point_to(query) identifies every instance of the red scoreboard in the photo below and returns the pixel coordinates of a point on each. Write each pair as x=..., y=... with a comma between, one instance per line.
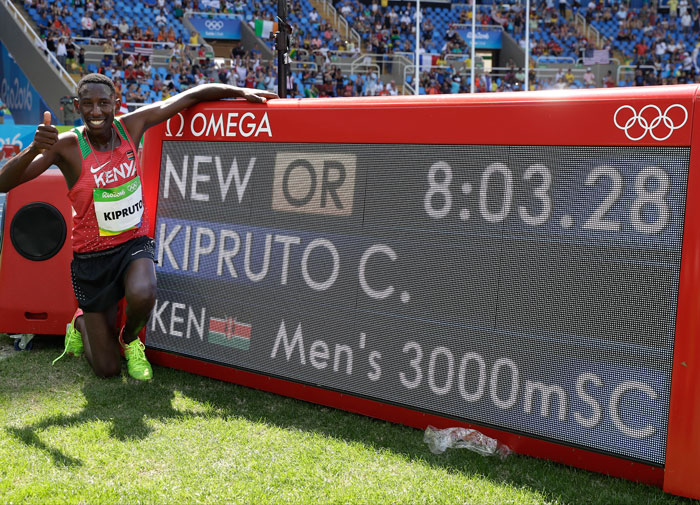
x=527, y=264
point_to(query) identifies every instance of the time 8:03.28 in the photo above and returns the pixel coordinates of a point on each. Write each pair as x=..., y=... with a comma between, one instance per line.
x=651, y=186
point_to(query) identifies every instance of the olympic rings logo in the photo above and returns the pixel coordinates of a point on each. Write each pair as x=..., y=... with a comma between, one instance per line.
x=131, y=187
x=214, y=24
x=650, y=126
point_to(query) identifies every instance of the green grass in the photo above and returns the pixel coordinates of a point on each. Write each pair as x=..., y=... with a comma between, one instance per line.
x=69, y=437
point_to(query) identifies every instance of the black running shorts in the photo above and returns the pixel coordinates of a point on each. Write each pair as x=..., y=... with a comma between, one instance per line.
x=98, y=277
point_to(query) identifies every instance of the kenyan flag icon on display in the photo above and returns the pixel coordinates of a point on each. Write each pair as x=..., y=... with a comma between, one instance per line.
x=230, y=333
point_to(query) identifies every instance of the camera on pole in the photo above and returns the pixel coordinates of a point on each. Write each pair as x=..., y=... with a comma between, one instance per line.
x=282, y=46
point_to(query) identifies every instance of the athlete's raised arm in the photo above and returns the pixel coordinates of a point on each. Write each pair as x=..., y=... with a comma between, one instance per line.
x=138, y=121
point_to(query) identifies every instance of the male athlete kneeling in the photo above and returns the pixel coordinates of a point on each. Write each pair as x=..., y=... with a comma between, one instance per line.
x=112, y=255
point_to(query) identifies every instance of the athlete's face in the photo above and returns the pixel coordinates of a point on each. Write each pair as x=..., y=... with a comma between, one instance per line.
x=96, y=104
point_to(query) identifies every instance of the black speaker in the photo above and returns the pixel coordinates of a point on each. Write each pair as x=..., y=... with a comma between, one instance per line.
x=38, y=231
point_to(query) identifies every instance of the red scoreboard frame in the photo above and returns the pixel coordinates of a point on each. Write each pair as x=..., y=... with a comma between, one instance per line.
x=650, y=116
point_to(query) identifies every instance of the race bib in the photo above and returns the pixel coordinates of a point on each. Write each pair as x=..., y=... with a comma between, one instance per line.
x=119, y=209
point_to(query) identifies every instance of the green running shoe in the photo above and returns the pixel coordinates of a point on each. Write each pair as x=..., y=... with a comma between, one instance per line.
x=136, y=362
x=73, y=342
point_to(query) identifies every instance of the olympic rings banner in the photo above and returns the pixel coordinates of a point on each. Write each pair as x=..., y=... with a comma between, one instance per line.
x=217, y=27
x=528, y=272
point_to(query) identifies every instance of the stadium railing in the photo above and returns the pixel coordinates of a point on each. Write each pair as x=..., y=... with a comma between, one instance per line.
x=94, y=51
x=590, y=31
x=330, y=11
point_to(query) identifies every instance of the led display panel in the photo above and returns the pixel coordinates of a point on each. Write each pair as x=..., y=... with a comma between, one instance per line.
x=528, y=288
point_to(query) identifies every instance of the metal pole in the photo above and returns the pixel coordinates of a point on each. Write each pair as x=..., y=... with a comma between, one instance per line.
x=527, y=45
x=473, y=57
x=282, y=46
x=416, y=82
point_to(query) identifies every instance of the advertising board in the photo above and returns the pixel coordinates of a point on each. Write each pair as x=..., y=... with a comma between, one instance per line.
x=17, y=93
x=486, y=37
x=217, y=27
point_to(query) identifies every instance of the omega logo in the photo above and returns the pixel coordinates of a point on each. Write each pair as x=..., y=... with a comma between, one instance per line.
x=168, y=132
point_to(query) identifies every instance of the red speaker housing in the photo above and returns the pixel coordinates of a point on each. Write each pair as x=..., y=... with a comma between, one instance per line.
x=36, y=295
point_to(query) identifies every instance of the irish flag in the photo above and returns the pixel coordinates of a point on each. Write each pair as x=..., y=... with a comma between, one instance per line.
x=230, y=333
x=264, y=28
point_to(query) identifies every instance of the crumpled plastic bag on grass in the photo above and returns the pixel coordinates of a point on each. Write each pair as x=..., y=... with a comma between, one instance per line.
x=463, y=438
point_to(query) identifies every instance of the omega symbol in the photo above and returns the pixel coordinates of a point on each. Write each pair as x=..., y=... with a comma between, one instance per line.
x=168, y=133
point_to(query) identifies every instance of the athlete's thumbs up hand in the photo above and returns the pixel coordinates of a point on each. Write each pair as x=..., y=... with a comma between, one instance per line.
x=46, y=135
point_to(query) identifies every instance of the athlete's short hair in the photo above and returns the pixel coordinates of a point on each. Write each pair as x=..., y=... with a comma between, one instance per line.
x=97, y=79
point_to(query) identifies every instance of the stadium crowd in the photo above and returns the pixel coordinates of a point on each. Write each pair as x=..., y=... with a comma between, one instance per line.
x=659, y=44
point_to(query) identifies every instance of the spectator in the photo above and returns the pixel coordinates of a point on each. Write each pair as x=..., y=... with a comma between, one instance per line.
x=129, y=75
x=427, y=28
x=237, y=50
x=61, y=52
x=123, y=28
x=129, y=60
x=51, y=44
x=291, y=84
x=161, y=20
x=240, y=71
x=562, y=8
x=70, y=56
x=170, y=35
x=88, y=25
x=608, y=81
x=372, y=86
x=134, y=95
x=42, y=45
x=108, y=46
x=271, y=81
x=105, y=63
x=569, y=77
x=174, y=66
x=139, y=74
x=686, y=21
x=673, y=9
x=434, y=88
x=101, y=21
x=157, y=84
x=589, y=78
x=81, y=61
